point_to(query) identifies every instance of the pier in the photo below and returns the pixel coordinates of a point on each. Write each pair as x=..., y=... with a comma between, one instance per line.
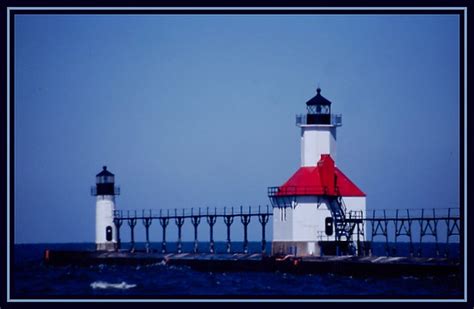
x=390, y=226
x=417, y=225
x=344, y=240
x=346, y=265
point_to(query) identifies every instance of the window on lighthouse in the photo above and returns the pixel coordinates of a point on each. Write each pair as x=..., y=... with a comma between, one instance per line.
x=282, y=214
x=318, y=109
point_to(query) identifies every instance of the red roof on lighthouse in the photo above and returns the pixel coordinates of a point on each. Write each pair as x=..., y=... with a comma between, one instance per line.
x=323, y=179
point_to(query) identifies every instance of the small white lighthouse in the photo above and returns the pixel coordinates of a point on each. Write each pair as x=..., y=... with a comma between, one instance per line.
x=318, y=209
x=105, y=229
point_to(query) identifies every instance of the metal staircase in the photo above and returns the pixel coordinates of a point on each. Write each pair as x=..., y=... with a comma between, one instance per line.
x=345, y=223
x=338, y=212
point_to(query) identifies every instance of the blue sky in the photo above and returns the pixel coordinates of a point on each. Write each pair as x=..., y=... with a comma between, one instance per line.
x=192, y=111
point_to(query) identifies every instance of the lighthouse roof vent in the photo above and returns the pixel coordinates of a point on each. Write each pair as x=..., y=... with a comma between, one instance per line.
x=104, y=172
x=318, y=99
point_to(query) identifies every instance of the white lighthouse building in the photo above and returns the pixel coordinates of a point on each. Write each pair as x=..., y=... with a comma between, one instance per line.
x=105, y=229
x=318, y=210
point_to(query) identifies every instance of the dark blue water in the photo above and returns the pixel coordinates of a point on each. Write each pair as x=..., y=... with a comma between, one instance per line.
x=32, y=279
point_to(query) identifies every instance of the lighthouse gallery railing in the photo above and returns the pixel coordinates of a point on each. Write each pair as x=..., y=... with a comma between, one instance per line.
x=336, y=119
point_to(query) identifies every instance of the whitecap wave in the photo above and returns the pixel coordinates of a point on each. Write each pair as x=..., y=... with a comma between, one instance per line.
x=106, y=285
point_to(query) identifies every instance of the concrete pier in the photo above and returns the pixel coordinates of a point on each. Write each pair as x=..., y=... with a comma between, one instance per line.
x=347, y=265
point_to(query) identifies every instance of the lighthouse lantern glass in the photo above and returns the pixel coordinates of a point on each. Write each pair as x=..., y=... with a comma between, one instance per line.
x=105, y=179
x=319, y=109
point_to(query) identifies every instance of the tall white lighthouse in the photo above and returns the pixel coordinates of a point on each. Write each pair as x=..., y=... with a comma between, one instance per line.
x=105, y=229
x=318, y=209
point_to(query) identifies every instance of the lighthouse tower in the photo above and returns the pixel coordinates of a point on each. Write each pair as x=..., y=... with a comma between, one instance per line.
x=318, y=210
x=105, y=192
x=318, y=130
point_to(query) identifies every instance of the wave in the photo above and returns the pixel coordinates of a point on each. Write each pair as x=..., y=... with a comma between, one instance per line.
x=105, y=285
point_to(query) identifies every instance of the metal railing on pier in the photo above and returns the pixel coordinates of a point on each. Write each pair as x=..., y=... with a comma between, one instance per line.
x=401, y=223
x=417, y=225
x=195, y=215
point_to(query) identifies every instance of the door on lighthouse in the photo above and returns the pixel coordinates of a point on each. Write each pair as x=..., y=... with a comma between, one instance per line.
x=329, y=226
x=108, y=233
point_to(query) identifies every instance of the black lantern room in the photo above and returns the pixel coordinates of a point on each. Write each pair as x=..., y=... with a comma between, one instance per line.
x=319, y=109
x=105, y=184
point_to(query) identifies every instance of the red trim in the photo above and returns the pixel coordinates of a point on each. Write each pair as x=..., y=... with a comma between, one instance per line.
x=323, y=179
